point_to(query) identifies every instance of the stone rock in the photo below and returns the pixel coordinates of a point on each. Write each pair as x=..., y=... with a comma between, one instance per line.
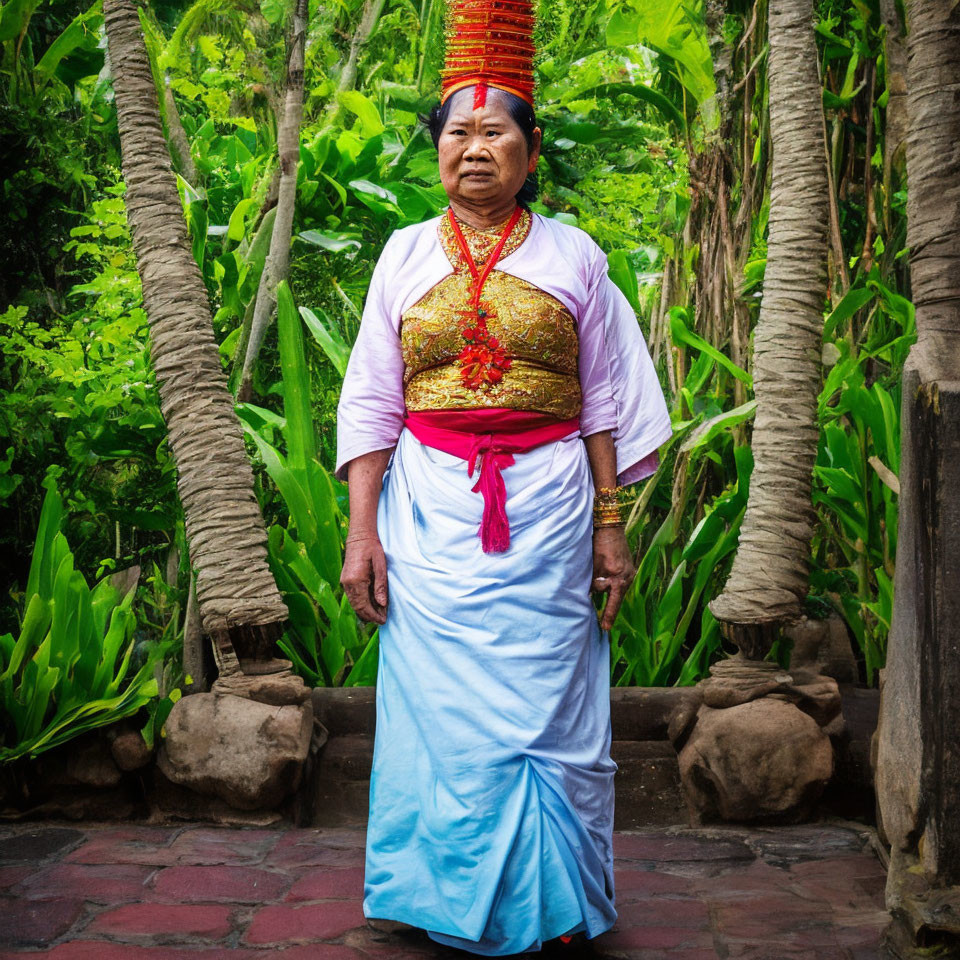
x=85, y=761
x=737, y=680
x=814, y=694
x=130, y=751
x=683, y=719
x=250, y=754
x=765, y=760
x=276, y=689
x=172, y=803
x=824, y=645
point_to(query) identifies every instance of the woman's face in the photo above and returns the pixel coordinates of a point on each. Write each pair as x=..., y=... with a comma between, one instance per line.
x=484, y=158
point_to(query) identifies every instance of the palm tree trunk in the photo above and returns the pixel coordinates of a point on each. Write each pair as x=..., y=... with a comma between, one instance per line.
x=918, y=764
x=239, y=602
x=769, y=577
x=277, y=264
x=368, y=20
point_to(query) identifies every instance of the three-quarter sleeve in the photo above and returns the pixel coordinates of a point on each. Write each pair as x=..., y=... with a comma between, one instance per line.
x=621, y=391
x=371, y=407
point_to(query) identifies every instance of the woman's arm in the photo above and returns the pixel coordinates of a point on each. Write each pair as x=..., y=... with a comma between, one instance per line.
x=364, y=574
x=613, y=568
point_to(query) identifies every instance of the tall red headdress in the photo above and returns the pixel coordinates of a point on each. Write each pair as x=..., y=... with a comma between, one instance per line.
x=489, y=44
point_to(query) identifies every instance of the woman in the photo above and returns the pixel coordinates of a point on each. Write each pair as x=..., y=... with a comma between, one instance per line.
x=494, y=335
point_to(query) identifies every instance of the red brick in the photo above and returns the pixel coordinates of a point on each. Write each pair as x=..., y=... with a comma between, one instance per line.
x=833, y=868
x=320, y=951
x=36, y=921
x=233, y=884
x=774, y=951
x=156, y=919
x=320, y=921
x=311, y=849
x=766, y=918
x=212, y=845
x=752, y=879
x=662, y=912
x=97, y=883
x=637, y=883
x=652, y=937
x=129, y=844
x=11, y=876
x=328, y=836
x=662, y=847
x=107, y=950
x=345, y=883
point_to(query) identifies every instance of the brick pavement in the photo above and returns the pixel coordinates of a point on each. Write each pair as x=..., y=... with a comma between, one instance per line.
x=195, y=892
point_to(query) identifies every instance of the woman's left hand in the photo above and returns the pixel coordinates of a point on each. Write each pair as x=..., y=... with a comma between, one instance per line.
x=613, y=570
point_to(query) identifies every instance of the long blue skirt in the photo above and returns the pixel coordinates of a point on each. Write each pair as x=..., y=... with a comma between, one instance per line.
x=491, y=796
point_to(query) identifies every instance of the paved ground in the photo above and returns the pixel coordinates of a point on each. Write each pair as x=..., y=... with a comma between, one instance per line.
x=135, y=892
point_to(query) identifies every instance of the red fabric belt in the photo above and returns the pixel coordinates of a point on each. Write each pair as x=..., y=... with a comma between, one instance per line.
x=494, y=435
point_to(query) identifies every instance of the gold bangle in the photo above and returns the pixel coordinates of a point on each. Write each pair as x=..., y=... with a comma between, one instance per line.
x=607, y=510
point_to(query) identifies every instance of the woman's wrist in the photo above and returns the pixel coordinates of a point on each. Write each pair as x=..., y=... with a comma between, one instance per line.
x=607, y=508
x=610, y=532
x=354, y=536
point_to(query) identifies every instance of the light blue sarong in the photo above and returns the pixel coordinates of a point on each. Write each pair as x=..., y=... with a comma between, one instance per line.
x=491, y=796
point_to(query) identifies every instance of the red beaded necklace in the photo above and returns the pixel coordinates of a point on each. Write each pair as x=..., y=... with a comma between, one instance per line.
x=482, y=361
x=481, y=278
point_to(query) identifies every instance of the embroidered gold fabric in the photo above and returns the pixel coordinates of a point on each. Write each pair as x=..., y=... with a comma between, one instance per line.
x=482, y=242
x=535, y=330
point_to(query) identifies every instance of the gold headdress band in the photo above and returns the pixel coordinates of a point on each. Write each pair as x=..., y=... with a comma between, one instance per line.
x=489, y=44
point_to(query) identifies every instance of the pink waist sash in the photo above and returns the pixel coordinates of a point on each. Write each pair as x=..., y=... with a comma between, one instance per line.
x=494, y=435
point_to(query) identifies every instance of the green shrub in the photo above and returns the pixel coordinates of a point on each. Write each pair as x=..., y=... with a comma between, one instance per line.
x=71, y=669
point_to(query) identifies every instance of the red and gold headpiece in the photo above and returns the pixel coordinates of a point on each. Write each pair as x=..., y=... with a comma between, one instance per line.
x=489, y=44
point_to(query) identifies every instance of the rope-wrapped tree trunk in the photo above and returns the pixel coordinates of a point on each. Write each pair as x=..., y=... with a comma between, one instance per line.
x=769, y=577
x=238, y=598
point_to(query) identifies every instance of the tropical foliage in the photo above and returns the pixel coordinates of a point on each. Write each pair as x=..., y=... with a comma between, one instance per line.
x=656, y=142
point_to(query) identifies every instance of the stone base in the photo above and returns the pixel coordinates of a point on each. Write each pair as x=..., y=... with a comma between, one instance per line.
x=757, y=749
x=764, y=761
x=926, y=918
x=249, y=754
x=277, y=689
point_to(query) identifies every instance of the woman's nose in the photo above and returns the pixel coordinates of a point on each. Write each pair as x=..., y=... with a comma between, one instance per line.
x=476, y=148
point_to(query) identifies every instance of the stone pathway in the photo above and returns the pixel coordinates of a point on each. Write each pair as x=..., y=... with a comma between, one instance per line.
x=137, y=892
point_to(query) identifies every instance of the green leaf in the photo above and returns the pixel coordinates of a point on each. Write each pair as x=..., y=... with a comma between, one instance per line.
x=236, y=226
x=334, y=242
x=365, y=110
x=704, y=434
x=621, y=272
x=272, y=10
x=846, y=308
x=638, y=91
x=680, y=334
x=15, y=17
x=336, y=350
x=301, y=442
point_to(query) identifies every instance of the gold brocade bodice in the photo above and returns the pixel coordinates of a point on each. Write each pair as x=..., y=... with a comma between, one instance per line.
x=523, y=356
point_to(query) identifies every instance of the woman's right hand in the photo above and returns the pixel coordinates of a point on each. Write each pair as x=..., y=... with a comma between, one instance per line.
x=364, y=577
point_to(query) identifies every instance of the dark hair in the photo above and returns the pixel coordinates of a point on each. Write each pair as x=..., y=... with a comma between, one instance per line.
x=522, y=115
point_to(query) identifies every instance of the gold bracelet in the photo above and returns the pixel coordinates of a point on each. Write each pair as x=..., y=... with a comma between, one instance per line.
x=607, y=511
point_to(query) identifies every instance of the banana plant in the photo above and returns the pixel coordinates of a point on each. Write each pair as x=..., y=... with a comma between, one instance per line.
x=71, y=669
x=325, y=641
